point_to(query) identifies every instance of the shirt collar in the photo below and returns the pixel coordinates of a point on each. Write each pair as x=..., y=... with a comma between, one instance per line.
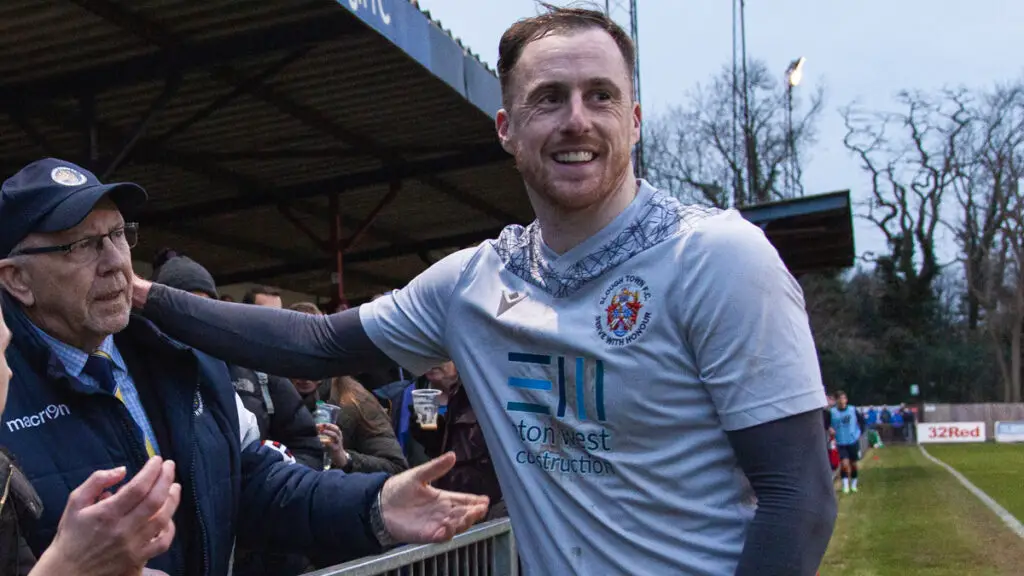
x=74, y=359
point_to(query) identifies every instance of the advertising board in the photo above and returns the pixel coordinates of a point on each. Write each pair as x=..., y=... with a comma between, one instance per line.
x=944, y=432
x=1010, y=431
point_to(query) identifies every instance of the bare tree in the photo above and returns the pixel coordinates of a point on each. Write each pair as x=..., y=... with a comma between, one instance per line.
x=691, y=151
x=913, y=159
x=991, y=230
x=983, y=192
x=1001, y=293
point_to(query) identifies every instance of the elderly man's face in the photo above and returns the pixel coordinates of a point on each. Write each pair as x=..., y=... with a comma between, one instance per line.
x=77, y=303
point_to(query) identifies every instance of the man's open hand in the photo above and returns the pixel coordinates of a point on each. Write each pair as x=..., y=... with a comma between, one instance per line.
x=102, y=534
x=415, y=512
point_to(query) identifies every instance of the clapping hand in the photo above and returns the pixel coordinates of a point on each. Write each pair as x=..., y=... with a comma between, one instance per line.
x=115, y=535
x=416, y=513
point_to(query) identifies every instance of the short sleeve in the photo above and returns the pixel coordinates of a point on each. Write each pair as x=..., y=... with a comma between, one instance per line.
x=248, y=427
x=409, y=324
x=747, y=325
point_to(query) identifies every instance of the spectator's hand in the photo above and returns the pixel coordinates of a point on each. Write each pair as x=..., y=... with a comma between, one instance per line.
x=335, y=444
x=115, y=535
x=415, y=512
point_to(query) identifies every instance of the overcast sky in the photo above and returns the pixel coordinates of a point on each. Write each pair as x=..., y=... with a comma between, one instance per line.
x=866, y=51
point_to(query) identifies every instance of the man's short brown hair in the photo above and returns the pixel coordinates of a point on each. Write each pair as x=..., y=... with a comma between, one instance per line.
x=555, y=21
x=252, y=293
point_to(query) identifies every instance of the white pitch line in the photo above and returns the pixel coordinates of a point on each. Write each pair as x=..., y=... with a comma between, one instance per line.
x=1011, y=522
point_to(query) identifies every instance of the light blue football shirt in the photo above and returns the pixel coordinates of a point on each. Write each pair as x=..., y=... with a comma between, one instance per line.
x=844, y=422
x=605, y=379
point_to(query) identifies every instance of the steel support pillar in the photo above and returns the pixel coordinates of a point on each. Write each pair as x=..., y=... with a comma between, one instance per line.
x=339, y=252
x=91, y=145
x=389, y=198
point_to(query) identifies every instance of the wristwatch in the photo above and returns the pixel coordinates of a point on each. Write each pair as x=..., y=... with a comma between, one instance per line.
x=380, y=529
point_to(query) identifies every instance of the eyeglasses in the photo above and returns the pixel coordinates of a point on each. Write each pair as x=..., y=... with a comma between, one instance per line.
x=88, y=249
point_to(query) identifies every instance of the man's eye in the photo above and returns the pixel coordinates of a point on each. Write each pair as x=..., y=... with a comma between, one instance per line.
x=79, y=246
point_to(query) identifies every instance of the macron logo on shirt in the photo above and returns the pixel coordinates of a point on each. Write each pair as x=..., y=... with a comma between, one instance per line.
x=51, y=412
x=508, y=300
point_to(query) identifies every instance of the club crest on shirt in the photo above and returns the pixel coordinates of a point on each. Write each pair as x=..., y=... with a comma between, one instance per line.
x=624, y=312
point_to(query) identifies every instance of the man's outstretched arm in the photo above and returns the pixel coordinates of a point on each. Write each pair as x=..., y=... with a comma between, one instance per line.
x=285, y=342
x=788, y=468
x=405, y=327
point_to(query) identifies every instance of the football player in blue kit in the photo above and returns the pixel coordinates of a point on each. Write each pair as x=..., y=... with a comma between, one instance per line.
x=848, y=425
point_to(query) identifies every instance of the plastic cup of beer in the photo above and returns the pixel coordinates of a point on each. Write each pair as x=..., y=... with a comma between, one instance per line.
x=426, y=403
x=325, y=414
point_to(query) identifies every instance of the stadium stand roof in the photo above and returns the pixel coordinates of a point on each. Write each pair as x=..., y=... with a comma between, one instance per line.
x=811, y=233
x=252, y=123
x=248, y=121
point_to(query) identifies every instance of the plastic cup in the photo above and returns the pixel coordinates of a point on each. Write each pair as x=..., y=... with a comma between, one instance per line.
x=426, y=404
x=326, y=413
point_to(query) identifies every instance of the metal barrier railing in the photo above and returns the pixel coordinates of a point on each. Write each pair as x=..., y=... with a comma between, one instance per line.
x=487, y=549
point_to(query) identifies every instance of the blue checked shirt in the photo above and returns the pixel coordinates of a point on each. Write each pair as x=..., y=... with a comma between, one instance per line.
x=74, y=362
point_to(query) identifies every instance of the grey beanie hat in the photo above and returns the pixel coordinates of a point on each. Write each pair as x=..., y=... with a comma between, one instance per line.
x=184, y=273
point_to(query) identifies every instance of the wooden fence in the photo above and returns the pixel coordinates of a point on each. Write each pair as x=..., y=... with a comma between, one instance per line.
x=989, y=413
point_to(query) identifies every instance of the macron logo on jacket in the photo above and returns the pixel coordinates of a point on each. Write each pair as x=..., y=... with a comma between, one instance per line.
x=51, y=412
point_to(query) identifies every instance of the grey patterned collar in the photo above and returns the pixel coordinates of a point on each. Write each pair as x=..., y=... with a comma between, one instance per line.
x=651, y=219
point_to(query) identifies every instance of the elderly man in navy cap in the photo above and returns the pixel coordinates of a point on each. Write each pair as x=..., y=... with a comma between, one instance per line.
x=97, y=388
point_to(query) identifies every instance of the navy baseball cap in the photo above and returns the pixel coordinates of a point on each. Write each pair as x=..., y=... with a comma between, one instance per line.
x=51, y=195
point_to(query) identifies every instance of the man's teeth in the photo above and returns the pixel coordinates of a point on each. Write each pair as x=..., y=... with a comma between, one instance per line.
x=570, y=157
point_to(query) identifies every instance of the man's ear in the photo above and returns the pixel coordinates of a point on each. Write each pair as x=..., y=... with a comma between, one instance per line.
x=501, y=123
x=637, y=121
x=14, y=279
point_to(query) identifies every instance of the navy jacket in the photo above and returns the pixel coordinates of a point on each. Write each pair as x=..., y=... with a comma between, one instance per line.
x=62, y=431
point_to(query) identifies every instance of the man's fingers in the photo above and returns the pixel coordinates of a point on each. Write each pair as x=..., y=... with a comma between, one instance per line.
x=157, y=495
x=161, y=543
x=132, y=493
x=162, y=524
x=464, y=499
x=434, y=469
x=459, y=519
x=471, y=515
x=462, y=518
x=93, y=488
x=170, y=505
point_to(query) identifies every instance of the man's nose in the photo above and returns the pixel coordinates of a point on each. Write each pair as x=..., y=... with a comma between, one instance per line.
x=111, y=257
x=578, y=119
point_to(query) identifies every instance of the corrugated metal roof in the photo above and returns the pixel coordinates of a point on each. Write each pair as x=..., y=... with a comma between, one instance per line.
x=345, y=110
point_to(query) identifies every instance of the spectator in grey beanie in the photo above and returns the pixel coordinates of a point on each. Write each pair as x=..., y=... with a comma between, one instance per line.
x=184, y=273
x=273, y=400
